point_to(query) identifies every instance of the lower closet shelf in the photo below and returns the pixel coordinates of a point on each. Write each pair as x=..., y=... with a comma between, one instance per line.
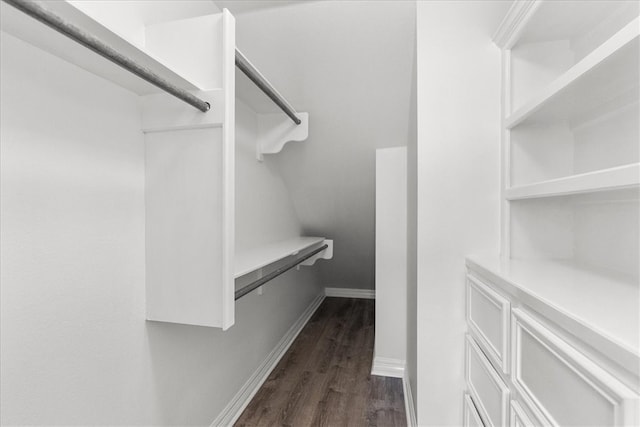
x=257, y=258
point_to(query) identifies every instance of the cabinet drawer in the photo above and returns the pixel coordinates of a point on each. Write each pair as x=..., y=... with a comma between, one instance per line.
x=489, y=393
x=560, y=384
x=470, y=418
x=488, y=318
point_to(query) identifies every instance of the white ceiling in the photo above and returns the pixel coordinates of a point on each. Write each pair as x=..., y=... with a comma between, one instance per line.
x=349, y=64
x=237, y=7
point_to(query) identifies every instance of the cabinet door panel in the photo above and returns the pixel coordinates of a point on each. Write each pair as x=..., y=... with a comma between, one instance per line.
x=562, y=384
x=488, y=318
x=471, y=418
x=487, y=389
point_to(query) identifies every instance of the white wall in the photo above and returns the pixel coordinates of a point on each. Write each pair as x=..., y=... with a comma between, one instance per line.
x=391, y=257
x=264, y=210
x=75, y=348
x=348, y=63
x=458, y=71
x=130, y=17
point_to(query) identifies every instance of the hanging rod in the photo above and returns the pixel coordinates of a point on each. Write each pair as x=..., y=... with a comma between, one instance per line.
x=259, y=282
x=56, y=22
x=258, y=79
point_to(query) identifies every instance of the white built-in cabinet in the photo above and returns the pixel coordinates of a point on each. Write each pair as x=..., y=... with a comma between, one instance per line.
x=554, y=320
x=192, y=263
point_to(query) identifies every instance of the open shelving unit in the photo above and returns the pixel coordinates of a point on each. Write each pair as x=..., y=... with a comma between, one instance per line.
x=571, y=167
x=557, y=311
x=190, y=156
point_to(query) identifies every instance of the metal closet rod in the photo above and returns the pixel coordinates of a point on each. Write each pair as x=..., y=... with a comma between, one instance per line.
x=254, y=75
x=257, y=283
x=54, y=21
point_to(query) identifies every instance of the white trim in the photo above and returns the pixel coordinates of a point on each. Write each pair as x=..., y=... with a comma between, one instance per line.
x=505, y=157
x=350, y=293
x=387, y=367
x=228, y=169
x=230, y=414
x=514, y=22
x=410, y=410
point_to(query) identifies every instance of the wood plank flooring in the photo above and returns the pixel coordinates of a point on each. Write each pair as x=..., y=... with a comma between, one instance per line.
x=324, y=378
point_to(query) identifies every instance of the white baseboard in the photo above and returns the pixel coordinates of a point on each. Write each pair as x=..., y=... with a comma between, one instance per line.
x=241, y=400
x=350, y=293
x=409, y=409
x=387, y=367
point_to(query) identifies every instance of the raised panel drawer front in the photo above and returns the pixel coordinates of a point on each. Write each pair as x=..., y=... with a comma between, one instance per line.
x=471, y=418
x=561, y=385
x=488, y=318
x=489, y=393
x=519, y=417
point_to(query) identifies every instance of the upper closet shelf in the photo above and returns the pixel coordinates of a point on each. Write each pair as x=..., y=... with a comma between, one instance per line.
x=31, y=31
x=278, y=122
x=606, y=179
x=607, y=73
x=261, y=82
x=555, y=289
x=255, y=259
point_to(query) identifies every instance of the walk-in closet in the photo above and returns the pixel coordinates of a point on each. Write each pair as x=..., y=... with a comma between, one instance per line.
x=320, y=213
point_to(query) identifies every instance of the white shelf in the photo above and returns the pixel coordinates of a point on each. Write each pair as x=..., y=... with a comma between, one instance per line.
x=600, y=307
x=38, y=34
x=549, y=21
x=607, y=179
x=605, y=74
x=252, y=260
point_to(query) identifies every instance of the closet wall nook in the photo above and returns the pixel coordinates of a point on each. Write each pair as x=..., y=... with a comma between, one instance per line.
x=203, y=250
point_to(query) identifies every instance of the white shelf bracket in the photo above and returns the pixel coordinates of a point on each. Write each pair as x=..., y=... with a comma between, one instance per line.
x=326, y=254
x=261, y=275
x=276, y=129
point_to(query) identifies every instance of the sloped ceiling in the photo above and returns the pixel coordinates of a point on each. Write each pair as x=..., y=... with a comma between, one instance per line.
x=349, y=64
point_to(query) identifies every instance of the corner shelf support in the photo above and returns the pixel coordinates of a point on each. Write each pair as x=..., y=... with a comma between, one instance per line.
x=326, y=254
x=276, y=129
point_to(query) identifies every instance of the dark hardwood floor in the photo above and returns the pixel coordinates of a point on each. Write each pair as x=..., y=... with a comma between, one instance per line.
x=324, y=378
